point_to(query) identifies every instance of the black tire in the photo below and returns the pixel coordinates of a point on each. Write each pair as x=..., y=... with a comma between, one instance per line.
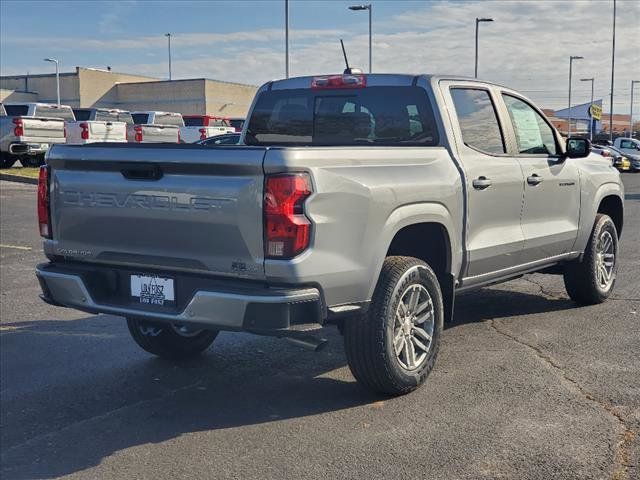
x=32, y=160
x=163, y=339
x=369, y=339
x=6, y=160
x=581, y=278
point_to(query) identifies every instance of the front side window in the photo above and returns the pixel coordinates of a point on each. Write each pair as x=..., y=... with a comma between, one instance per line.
x=478, y=120
x=533, y=134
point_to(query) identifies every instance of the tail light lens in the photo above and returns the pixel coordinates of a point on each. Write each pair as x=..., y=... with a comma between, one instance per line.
x=18, y=131
x=138, y=133
x=84, y=131
x=44, y=218
x=203, y=133
x=287, y=230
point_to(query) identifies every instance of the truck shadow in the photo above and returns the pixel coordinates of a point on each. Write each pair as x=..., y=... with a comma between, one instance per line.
x=75, y=392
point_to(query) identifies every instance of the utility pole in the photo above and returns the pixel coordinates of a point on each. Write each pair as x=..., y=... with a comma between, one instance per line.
x=168, y=35
x=286, y=38
x=613, y=63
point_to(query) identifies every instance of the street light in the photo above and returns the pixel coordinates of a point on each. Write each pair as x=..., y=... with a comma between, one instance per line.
x=53, y=60
x=571, y=59
x=168, y=35
x=286, y=38
x=613, y=71
x=590, y=105
x=478, y=20
x=633, y=82
x=356, y=8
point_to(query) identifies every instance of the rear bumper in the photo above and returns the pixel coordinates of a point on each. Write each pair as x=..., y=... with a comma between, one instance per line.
x=270, y=311
x=28, y=148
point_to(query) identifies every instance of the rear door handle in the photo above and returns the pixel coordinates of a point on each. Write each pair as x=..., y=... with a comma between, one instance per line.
x=481, y=183
x=534, y=179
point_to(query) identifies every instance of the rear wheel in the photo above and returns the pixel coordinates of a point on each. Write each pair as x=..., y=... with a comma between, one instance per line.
x=170, y=340
x=591, y=281
x=393, y=348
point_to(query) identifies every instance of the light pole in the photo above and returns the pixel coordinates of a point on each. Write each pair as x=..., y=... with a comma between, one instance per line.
x=633, y=82
x=355, y=8
x=590, y=105
x=571, y=59
x=613, y=69
x=168, y=35
x=286, y=38
x=53, y=60
x=478, y=20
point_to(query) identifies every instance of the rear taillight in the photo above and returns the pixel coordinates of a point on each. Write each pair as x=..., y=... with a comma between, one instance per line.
x=286, y=229
x=44, y=219
x=84, y=131
x=18, y=131
x=339, y=81
x=203, y=133
x=138, y=133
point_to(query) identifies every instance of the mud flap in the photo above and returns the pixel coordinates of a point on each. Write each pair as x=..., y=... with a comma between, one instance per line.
x=447, y=286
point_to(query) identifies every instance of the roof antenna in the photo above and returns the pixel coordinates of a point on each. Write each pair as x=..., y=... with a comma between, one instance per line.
x=348, y=70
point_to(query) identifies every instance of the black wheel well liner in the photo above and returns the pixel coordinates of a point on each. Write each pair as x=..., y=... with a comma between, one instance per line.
x=612, y=205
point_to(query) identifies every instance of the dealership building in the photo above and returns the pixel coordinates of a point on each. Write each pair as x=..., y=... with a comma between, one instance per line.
x=90, y=87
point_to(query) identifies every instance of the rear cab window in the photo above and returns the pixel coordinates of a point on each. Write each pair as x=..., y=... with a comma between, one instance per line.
x=81, y=114
x=16, y=110
x=168, y=119
x=381, y=115
x=193, y=121
x=53, y=111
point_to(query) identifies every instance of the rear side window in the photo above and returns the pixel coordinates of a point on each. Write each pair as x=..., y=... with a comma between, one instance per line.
x=140, y=118
x=478, y=120
x=193, y=121
x=16, y=110
x=533, y=134
x=388, y=115
x=65, y=113
x=82, y=115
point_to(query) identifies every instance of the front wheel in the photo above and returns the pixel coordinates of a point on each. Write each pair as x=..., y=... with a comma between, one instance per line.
x=591, y=281
x=170, y=340
x=393, y=348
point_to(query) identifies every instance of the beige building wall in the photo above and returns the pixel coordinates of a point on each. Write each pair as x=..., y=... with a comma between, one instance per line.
x=98, y=87
x=45, y=87
x=182, y=96
x=228, y=99
x=88, y=87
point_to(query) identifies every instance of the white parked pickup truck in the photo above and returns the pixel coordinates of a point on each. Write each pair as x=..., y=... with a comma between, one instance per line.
x=27, y=130
x=98, y=125
x=155, y=127
x=200, y=127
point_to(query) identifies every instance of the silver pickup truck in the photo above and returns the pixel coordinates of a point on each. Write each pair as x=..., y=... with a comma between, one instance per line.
x=364, y=201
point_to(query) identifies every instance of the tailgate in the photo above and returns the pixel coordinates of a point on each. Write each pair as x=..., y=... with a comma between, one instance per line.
x=45, y=128
x=198, y=209
x=160, y=133
x=107, y=131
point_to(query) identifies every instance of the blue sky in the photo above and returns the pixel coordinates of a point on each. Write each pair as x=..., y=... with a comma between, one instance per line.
x=527, y=47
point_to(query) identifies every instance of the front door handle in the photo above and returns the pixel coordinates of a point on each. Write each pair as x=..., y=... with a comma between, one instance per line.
x=534, y=179
x=481, y=183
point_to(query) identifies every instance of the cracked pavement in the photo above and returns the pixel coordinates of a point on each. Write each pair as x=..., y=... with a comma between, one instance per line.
x=527, y=385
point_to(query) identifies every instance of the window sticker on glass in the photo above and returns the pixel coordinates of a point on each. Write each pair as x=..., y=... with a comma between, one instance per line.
x=527, y=128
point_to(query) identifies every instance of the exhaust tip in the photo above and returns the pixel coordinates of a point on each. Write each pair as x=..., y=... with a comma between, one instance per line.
x=309, y=342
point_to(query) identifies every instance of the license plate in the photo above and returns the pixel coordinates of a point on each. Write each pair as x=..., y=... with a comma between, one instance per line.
x=152, y=290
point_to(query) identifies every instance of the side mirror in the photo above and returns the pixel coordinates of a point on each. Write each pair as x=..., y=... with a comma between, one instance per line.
x=578, y=148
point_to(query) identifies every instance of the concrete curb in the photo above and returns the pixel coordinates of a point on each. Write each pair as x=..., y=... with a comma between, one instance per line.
x=17, y=178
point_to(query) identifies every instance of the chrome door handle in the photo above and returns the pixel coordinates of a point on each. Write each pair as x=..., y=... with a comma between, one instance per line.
x=481, y=183
x=534, y=179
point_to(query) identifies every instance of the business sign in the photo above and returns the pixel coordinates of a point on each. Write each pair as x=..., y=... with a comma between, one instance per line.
x=595, y=111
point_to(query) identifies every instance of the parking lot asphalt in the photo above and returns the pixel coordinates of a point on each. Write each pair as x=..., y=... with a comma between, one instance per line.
x=527, y=385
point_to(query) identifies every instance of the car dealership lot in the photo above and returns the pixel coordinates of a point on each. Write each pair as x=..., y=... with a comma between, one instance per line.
x=527, y=386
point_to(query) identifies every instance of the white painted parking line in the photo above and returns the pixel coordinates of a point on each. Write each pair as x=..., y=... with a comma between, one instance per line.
x=16, y=247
